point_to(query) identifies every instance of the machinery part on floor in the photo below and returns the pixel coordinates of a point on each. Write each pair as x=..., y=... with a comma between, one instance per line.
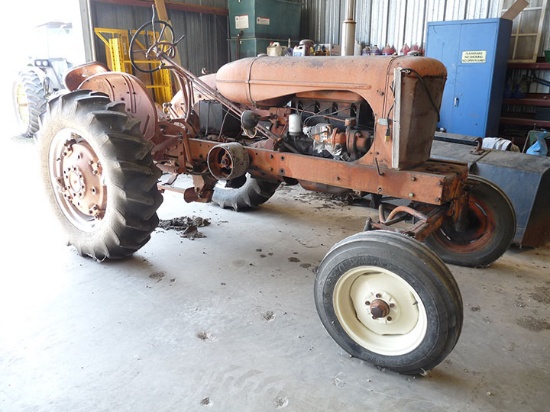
x=29, y=99
x=228, y=161
x=100, y=175
x=388, y=300
x=524, y=179
x=486, y=233
x=244, y=196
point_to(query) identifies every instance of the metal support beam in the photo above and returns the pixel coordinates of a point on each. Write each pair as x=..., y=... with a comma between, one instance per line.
x=191, y=8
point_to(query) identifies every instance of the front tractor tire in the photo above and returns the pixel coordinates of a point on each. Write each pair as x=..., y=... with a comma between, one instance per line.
x=387, y=299
x=99, y=175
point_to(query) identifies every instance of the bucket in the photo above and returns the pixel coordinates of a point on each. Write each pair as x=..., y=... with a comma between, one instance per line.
x=274, y=49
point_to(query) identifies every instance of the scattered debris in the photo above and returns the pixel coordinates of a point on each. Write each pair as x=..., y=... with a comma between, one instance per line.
x=536, y=325
x=293, y=259
x=187, y=226
x=269, y=315
x=205, y=402
x=281, y=402
x=541, y=294
x=204, y=335
x=157, y=276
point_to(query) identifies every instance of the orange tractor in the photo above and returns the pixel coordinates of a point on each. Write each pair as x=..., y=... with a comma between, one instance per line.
x=360, y=126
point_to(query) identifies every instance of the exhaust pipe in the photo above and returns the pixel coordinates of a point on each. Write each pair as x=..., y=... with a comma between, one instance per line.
x=348, y=30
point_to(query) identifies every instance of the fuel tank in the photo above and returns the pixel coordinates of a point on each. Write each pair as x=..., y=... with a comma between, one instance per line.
x=269, y=81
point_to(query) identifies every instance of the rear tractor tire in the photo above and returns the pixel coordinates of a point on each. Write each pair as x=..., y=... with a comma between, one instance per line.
x=489, y=232
x=29, y=100
x=387, y=299
x=99, y=175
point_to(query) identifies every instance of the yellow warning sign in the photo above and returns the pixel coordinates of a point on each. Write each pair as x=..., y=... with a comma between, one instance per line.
x=474, y=56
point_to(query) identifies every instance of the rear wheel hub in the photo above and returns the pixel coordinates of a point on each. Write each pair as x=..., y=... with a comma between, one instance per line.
x=82, y=175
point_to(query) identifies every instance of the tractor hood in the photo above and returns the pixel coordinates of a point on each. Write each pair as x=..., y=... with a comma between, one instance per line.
x=267, y=80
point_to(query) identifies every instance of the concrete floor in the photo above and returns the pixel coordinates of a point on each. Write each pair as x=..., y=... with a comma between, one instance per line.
x=227, y=322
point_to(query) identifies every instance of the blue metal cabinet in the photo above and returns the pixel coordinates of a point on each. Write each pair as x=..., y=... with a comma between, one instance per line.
x=475, y=53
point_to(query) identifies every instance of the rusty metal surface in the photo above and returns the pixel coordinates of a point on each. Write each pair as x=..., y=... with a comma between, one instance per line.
x=412, y=115
x=121, y=87
x=399, y=95
x=81, y=179
x=434, y=182
x=78, y=74
x=267, y=78
x=524, y=178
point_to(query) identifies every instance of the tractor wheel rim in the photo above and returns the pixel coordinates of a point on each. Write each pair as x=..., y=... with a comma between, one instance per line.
x=380, y=311
x=480, y=232
x=78, y=180
x=22, y=104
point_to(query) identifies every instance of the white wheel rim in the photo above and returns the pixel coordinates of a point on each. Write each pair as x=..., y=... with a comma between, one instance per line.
x=403, y=326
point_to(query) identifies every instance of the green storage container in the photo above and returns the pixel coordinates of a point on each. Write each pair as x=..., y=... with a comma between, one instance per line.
x=278, y=19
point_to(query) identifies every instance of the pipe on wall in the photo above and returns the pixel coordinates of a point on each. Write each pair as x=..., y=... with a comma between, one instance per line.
x=348, y=29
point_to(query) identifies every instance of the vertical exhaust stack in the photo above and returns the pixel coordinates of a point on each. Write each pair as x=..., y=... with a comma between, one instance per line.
x=348, y=30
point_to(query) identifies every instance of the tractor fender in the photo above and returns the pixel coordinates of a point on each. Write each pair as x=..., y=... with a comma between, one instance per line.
x=128, y=89
x=76, y=75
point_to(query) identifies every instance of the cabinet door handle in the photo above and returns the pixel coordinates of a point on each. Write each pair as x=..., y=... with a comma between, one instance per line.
x=456, y=101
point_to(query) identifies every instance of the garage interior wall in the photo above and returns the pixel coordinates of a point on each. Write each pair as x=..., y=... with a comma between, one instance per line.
x=203, y=47
x=397, y=21
x=378, y=22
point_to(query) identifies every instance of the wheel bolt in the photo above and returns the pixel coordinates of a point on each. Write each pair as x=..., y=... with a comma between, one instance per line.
x=379, y=309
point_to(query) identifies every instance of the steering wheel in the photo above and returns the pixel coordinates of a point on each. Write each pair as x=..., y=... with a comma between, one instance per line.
x=147, y=44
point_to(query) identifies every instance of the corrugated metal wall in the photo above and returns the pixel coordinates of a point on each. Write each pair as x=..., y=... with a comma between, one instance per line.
x=395, y=22
x=389, y=21
x=378, y=22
